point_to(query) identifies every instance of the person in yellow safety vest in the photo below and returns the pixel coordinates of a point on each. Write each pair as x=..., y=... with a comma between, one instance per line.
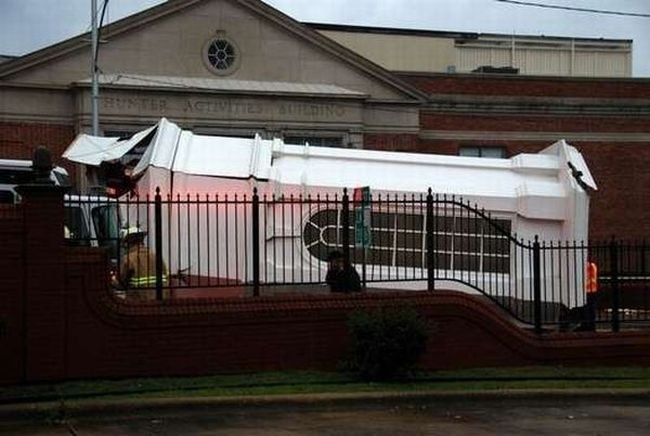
x=138, y=267
x=591, y=287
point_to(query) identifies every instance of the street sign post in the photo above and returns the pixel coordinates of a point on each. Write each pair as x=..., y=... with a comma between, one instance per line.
x=361, y=198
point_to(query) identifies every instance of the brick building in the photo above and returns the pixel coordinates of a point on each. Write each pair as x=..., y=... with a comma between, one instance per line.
x=240, y=67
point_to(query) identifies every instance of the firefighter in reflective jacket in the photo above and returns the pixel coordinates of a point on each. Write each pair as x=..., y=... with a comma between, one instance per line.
x=591, y=287
x=138, y=268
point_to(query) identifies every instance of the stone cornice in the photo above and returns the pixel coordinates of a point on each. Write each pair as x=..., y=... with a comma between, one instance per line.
x=537, y=105
x=546, y=136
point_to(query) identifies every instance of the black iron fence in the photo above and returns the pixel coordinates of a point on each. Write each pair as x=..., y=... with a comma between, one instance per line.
x=258, y=243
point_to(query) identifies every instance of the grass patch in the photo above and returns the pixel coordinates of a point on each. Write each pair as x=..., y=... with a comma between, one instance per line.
x=309, y=382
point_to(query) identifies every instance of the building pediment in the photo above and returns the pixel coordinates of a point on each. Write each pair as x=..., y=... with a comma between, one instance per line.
x=177, y=39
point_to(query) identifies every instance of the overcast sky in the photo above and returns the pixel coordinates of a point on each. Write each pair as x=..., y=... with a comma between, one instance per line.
x=26, y=25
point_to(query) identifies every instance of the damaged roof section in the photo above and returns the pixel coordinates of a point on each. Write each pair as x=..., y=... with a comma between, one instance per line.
x=169, y=147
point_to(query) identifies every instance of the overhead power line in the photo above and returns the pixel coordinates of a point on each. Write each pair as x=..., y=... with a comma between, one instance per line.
x=99, y=31
x=571, y=8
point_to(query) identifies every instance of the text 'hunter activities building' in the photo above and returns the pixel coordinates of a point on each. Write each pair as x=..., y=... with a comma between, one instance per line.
x=240, y=67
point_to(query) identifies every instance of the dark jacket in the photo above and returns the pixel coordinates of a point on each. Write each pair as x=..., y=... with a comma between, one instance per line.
x=343, y=280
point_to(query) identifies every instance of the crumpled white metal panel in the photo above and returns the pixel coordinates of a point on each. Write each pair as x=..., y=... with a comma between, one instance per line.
x=533, y=185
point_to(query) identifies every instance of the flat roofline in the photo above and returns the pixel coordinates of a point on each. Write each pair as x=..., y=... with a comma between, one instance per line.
x=524, y=77
x=449, y=34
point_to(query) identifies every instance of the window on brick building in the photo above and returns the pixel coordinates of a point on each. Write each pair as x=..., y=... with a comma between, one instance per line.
x=318, y=141
x=221, y=55
x=480, y=151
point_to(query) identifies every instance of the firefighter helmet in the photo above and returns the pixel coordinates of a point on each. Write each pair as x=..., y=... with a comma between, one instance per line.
x=132, y=233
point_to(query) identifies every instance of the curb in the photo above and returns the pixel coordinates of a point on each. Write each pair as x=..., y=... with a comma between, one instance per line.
x=105, y=408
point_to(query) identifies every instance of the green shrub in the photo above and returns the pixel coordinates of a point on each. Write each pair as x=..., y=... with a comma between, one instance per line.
x=385, y=343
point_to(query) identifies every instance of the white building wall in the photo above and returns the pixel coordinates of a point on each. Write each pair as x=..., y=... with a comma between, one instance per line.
x=552, y=56
x=565, y=58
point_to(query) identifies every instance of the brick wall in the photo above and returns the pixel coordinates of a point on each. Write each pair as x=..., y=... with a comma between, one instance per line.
x=533, y=123
x=19, y=140
x=563, y=87
x=619, y=206
x=76, y=328
x=619, y=167
x=392, y=142
x=108, y=338
x=11, y=286
x=44, y=314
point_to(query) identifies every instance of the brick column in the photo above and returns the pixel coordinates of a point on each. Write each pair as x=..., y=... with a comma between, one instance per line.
x=44, y=288
x=11, y=293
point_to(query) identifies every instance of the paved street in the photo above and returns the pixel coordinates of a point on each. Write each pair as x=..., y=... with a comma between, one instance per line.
x=453, y=417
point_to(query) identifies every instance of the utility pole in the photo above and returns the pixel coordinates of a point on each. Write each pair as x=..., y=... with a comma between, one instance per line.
x=94, y=99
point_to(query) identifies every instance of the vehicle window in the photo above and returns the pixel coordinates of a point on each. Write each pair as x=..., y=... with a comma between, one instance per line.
x=7, y=197
x=15, y=177
x=61, y=179
x=77, y=228
x=106, y=220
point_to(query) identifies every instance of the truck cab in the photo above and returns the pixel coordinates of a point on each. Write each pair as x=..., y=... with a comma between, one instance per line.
x=14, y=172
x=90, y=220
